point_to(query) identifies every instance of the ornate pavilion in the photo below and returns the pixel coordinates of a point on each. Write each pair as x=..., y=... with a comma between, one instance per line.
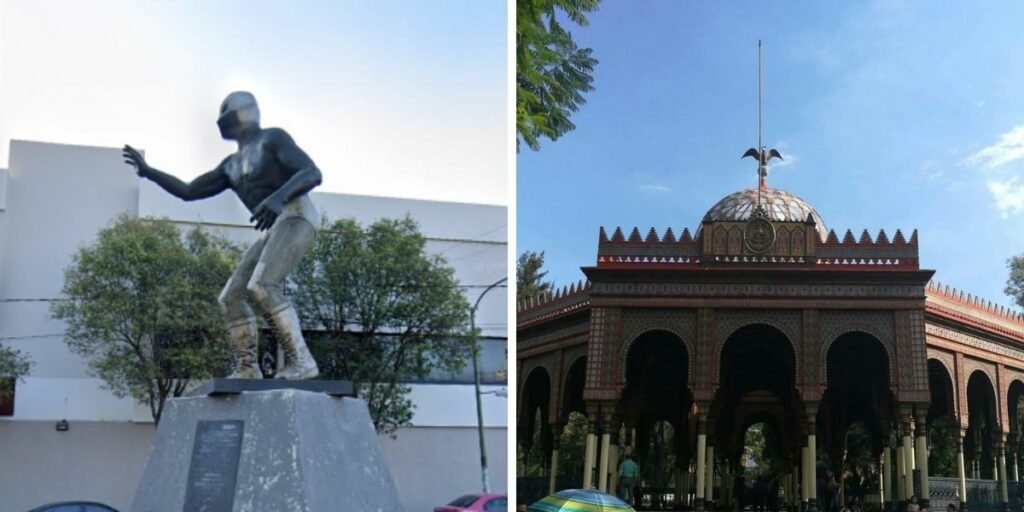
x=765, y=315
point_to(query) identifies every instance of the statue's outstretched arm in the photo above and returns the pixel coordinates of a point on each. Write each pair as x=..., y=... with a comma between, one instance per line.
x=305, y=176
x=206, y=185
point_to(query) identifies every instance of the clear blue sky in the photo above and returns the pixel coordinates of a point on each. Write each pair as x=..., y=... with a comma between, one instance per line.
x=892, y=115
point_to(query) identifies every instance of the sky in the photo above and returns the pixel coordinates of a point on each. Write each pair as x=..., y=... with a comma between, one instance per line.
x=889, y=114
x=404, y=99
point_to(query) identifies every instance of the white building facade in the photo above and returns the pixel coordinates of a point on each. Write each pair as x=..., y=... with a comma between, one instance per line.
x=55, y=198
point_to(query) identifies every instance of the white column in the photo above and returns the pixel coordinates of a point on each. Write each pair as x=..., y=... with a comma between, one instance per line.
x=805, y=487
x=709, y=479
x=812, y=477
x=908, y=459
x=1002, y=475
x=590, y=454
x=613, y=465
x=961, y=474
x=921, y=451
x=606, y=444
x=901, y=479
x=883, y=481
x=701, y=457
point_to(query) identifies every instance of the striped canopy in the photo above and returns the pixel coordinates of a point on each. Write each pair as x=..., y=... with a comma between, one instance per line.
x=580, y=500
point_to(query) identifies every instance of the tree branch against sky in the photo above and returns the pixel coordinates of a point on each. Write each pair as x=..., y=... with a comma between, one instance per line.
x=552, y=72
x=530, y=280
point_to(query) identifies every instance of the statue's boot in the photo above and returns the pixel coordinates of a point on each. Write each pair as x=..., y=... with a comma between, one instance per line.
x=243, y=338
x=299, y=363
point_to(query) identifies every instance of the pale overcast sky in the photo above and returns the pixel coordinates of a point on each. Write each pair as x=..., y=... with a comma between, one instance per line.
x=403, y=99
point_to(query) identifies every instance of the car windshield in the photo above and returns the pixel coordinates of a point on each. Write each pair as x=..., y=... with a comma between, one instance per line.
x=463, y=501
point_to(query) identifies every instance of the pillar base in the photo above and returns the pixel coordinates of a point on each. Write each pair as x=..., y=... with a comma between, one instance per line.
x=812, y=506
x=924, y=502
x=1006, y=507
x=698, y=504
x=963, y=507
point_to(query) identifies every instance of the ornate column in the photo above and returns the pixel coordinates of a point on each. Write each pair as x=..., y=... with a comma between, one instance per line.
x=908, y=456
x=885, y=479
x=901, y=479
x=709, y=479
x=921, y=451
x=606, y=443
x=1014, y=446
x=961, y=475
x=590, y=453
x=613, y=460
x=805, y=486
x=701, y=456
x=1001, y=448
x=554, y=460
x=812, y=458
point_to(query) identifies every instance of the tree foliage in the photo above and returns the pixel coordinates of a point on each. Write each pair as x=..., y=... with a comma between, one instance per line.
x=13, y=365
x=529, y=276
x=382, y=312
x=141, y=308
x=552, y=73
x=1015, y=282
x=942, y=435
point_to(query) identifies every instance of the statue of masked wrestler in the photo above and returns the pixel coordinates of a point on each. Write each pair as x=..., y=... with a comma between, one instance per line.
x=273, y=177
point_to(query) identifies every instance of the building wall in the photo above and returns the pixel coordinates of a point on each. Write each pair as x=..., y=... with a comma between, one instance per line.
x=54, y=198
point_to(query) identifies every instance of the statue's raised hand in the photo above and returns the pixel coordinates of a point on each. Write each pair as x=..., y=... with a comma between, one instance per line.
x=135, y=159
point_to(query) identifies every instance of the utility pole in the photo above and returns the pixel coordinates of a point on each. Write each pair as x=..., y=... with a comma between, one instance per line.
x=476, y=384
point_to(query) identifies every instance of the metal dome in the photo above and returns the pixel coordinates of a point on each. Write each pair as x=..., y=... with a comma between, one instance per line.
x=781, y=206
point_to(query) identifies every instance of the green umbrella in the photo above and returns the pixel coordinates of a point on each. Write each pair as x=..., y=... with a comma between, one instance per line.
x=580, y=500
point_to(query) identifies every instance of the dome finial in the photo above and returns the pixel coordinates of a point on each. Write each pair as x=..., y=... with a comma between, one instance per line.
x=761, y=153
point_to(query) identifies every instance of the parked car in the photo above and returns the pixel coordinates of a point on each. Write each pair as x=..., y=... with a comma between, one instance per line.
x=74, y=506
x=476, y=503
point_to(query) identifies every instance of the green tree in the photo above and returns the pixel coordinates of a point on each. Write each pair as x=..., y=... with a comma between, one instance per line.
x=141, y=307
x=529, y=277
x=383, y=312
x=572, y=445
x=942, y=436
x=13, y=366
x=552, y=73
x=1015, y=282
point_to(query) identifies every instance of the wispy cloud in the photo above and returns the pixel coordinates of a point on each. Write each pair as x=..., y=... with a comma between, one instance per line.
x=1008, y=196
x=788, y=159
x=655, y=188
x=1008, y=148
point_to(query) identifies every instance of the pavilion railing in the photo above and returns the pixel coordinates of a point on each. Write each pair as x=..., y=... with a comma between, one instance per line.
x=982, y=495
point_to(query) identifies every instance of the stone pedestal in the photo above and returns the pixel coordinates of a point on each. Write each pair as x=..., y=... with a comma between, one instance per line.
x=272, y=450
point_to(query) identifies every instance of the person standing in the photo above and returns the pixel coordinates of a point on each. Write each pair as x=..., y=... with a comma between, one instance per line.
x=628, y=472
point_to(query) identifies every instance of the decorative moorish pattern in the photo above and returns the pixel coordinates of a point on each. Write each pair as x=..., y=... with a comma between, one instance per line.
x=878, y=324
x=812, y=284
x=729, y=321
x=636, y=322
x=779, y=204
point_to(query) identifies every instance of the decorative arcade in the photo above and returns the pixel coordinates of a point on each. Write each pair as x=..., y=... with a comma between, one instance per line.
x=680, y=343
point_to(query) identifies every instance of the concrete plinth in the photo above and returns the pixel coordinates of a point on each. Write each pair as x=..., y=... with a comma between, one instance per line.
x=295, y=451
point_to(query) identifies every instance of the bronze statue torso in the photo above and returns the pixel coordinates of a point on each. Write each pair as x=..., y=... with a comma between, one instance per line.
x=254, y=172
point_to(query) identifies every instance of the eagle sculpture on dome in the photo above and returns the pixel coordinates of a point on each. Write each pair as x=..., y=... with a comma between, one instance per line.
x=762, y=157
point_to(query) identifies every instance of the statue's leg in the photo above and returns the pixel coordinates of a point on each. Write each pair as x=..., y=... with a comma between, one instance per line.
x=287, y=243
x=242, y=327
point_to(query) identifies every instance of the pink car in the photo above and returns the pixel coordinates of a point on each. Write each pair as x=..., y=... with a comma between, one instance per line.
x=477, y=503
